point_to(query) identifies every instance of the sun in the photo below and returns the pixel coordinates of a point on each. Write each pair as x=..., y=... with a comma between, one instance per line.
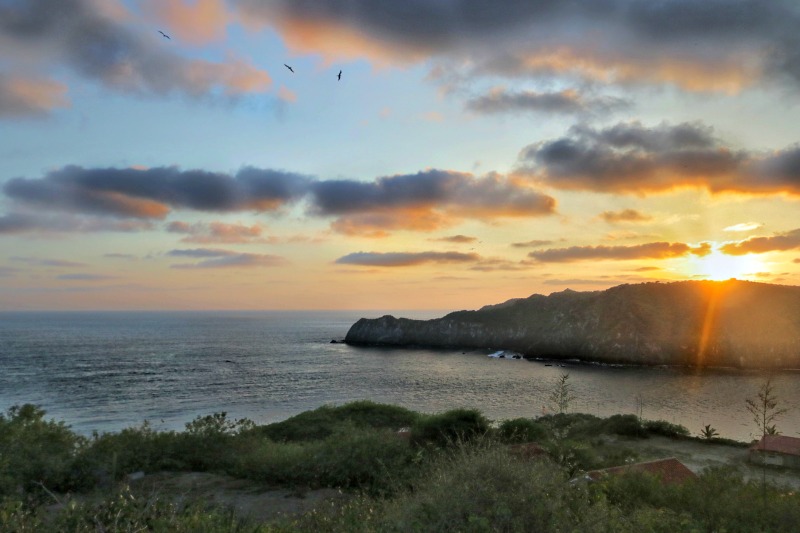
x=718, y=266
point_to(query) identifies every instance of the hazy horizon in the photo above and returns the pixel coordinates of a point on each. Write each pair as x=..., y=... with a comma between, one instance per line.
x=466, y=156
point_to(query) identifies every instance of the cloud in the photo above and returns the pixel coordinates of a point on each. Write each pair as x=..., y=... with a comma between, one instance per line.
x=120, y=256
x=30, y=97
x=217, y=232
x=626, y=215
x=84, y=277
x=629, y=235
x=37, y=261
x=106, y=49
x=457, y=239
x=218, y=258
x=403, y=259
x=744, y=226
x=424, y=201
x=632, y=158
x=647, y=269
x=719, y=45
x=531, y=244
x=196, y=22
x=152, y=193
x=653, y=250
x=7, y=272
x=759, y=245
x=18, y=223
x=568, y=101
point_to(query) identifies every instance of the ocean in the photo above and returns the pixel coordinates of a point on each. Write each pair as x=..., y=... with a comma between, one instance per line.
x=104, y=371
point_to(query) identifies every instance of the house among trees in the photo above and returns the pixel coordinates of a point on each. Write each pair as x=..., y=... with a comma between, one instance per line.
x=778, y=450
x=670, y=471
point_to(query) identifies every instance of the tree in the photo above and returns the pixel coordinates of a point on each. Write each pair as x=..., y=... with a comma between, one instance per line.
x=764, y=409
x=562, y=395
x=708, y=432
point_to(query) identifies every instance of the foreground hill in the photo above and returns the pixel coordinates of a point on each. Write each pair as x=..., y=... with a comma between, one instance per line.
x=699, y=323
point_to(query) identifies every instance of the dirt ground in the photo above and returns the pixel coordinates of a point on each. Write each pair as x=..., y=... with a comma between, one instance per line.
x=246, y=498
x=698, y=455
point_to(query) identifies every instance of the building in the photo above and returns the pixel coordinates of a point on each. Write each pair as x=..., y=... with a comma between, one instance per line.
x=670, y=471
x=778, y=450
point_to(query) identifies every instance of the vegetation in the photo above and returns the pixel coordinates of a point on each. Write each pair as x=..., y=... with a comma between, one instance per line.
x=456, y=472
x=764, y=409
x=562, y=395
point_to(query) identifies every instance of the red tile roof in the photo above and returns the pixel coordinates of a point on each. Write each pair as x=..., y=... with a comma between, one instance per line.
x=777, y=444
x=669, y=470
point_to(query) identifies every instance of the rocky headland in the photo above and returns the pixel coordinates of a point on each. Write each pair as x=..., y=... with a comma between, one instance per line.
x=698, y=323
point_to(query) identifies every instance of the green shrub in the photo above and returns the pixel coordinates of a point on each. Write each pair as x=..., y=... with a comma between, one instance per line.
x=36, y=453
x=521, y=430
x=324, y=421
x=449, y=427
x=666, y=429
x=624, y=425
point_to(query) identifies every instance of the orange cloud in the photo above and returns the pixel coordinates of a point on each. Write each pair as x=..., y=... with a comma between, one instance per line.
x=729, y=75
x=235, y=77
x=653, y=250
x=286, y=95
x=21, y=97
x=191, y=21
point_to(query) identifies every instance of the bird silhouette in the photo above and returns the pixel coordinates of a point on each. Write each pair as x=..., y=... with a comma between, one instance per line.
x=287, y=66
x=339, y=76
x=164, y=34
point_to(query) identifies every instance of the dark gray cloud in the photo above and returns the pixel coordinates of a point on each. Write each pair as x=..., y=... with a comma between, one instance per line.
x=424, y=201
x=117, y=255
x=457, y=239
x=759, y=245
x=653, y=250
x=45, y=262
x=84, y=277
x=714, y=44
x=625, y=215
x=152, y=193
x=6, y=271
x=403, y=259
x=562, y=102
x=90, y=39
x=17, y=223
x=633, y=158
x=531, y=244
x=218, y=258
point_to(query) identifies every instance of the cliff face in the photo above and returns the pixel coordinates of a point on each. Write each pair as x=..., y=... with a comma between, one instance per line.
x=703, y=323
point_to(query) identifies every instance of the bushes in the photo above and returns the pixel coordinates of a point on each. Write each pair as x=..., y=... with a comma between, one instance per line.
x=449, y=427
x=36, y=452
x=624, y=425
x=324, y=421
x=521, y=430
x=666, y=429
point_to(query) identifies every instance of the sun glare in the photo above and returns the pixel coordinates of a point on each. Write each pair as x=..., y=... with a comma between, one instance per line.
x=718, y=266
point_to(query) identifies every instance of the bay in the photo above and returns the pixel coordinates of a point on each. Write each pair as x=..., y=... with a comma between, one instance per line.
x=103, y=371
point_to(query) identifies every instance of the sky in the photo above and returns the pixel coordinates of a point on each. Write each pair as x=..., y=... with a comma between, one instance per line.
x=159, y=154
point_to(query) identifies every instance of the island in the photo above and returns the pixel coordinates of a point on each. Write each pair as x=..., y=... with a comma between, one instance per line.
x=696, y=323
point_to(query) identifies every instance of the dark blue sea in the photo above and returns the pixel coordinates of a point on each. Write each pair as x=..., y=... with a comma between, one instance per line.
x=105, y=371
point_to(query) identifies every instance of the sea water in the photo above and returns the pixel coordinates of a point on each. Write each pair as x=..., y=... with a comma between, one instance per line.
x=111, y=370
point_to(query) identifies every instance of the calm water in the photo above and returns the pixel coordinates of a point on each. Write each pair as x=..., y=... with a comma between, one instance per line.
x=106, y=371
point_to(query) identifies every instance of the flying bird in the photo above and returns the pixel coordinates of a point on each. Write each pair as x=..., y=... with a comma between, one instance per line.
x=287, y=66
x=339, y=76
x=164, y=34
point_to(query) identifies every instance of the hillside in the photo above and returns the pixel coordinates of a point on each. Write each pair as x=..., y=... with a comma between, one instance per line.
x=699, y=323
